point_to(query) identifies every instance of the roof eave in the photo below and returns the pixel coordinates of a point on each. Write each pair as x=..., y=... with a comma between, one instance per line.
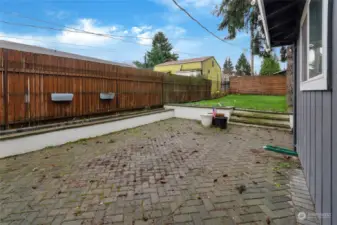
x=264, y=22
x=181, y=63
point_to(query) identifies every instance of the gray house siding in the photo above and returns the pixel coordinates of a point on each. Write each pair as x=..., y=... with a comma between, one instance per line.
x=317, y=136
x=334, y=113
x=314, y=139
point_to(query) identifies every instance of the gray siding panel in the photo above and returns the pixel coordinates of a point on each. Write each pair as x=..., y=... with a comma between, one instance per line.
x=299, y=113
x=334, y=113
x=307, y=141
x=326, y=153
x=303, y=132
x=314, y=146
x=315, y=143
x=318, y=153
x=313, y=127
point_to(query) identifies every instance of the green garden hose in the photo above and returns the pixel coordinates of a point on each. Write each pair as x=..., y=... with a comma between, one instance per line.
x=280, y=150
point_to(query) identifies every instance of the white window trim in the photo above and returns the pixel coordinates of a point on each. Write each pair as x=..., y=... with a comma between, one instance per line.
x=319, y=82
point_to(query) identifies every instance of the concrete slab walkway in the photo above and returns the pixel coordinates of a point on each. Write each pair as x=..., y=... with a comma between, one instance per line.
x=170, y=172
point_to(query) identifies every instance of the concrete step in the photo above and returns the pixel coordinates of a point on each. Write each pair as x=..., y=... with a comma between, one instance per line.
x=260, y=126
x=261, y=115
x=259, y=121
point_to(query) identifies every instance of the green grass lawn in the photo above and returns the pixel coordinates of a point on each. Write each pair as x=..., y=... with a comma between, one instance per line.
x=258, y=102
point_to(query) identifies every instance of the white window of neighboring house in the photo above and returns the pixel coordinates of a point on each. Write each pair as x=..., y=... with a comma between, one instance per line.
x=313, y=46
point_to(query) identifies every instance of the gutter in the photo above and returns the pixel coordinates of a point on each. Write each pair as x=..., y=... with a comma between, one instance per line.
x=264, y=21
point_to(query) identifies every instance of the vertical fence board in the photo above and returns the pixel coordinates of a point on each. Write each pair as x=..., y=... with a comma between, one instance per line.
x=32, y=78
x=265, y=85
x=2, y=122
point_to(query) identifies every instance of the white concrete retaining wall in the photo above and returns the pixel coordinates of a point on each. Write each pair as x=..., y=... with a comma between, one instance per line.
x=193, y=113
x=25, y=144
x=36, y=142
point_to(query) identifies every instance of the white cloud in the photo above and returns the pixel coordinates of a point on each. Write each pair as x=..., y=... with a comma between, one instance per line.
x=114, y=49
x=58, y=14
x=202, y=3
x=145, y=38
x=146, y=33
x=138, y=30
x=89, y=25
x=174, y=31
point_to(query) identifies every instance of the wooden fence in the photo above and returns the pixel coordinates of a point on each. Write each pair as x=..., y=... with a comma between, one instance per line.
x=260, y=85
x=179, y=89
x=27, y=81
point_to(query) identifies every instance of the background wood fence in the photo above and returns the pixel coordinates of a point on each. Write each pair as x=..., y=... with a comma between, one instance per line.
x=27, y=81
x=179, y=89
x=261, y=85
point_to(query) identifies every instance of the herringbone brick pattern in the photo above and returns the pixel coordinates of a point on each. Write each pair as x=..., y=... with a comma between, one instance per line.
x=171, y=172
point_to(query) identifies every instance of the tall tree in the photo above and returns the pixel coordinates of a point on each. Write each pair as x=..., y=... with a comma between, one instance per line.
x=238, y=16
x=242, y=66
x=159, y=53
x=286, y=54
x=140, y=64
x=228, y=65
x=270, y=65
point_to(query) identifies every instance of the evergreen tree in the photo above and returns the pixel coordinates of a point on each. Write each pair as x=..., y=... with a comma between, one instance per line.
x=283, y=54
x=159, y=53
x=228, y=66
x=242, y=66
x=142, y=65
x=270, y=65
x=238, y=16
x=286, y=55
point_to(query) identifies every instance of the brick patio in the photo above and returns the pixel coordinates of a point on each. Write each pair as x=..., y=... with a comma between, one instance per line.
x=171, y=172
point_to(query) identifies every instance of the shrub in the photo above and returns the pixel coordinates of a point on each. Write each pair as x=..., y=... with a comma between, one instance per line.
x=219, y=94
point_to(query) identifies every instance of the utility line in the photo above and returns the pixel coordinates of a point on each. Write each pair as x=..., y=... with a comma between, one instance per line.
x=62, y=43
x=48, y=28
x=81, y=32
x=200, y=24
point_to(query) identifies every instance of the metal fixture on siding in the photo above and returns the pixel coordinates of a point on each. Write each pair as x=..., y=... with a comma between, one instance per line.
x=107, y=96
x=62, y=97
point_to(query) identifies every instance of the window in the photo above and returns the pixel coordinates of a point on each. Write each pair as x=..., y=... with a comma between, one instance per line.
x=212, y=63
x=313, y=45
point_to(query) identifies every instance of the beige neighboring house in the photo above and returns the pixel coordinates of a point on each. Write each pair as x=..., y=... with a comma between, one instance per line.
x=206, y=67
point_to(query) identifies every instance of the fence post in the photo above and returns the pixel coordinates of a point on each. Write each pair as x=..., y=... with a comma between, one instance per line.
x=162, y=89
x=117, y=93
x=5, y=87
x=189, y=89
